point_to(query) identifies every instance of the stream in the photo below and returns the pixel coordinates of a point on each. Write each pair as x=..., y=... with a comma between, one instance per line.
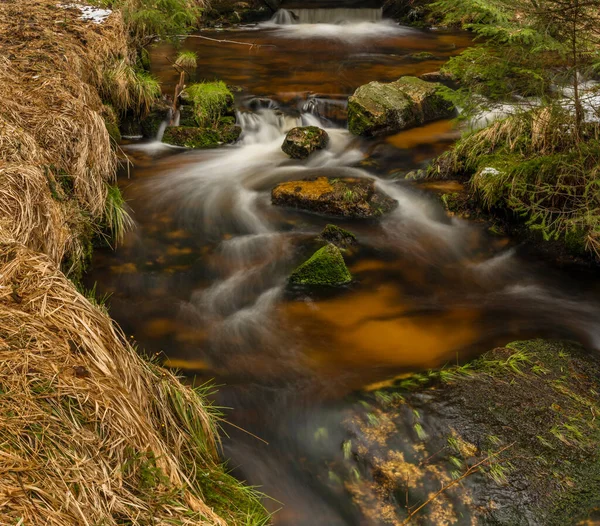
x=201, y=281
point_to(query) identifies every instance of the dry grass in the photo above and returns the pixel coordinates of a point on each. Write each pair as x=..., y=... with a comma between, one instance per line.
x=90, y=434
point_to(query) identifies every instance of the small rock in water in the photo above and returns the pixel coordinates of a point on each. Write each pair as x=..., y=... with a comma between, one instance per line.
x=338, y=236
x=340, y=197
x=300, y=142
x=325, y=267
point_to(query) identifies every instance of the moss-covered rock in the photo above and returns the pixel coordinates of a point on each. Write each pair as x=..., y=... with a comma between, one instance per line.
x=338, y=236
x=300, y=142
x=325, y=267
x=378, y=108
x=341, y=197
x=192, y=137
x=187, y=116
x=530, y=408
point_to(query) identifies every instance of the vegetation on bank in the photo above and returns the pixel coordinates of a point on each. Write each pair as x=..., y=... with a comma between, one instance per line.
x=89, y=431
x=540, y=160
x=510, y=438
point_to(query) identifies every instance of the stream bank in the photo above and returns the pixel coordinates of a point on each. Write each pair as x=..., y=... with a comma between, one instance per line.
x=90, y=432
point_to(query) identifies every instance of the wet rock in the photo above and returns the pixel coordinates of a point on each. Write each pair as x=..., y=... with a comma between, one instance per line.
x=338, y=236
x=342, y=197
x=192, y=137
x=422, y=56
x=437, y=76
x=187, y=117
x=377, y=108
x=157, y=115
x=325, y=267
x=300, y=142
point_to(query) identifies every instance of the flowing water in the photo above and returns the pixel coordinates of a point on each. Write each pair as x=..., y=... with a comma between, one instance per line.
x=202, y=279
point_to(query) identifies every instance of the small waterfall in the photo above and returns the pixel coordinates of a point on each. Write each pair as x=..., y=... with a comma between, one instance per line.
x=326, y=16
x=161, y=130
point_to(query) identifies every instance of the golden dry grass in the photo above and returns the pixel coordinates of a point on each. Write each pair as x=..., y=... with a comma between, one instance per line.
x=90, y=433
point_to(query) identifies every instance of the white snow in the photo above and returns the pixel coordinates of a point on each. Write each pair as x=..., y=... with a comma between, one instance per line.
x=88, y=12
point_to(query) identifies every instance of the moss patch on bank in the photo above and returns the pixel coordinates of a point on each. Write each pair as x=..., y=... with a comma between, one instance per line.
x=524, y=415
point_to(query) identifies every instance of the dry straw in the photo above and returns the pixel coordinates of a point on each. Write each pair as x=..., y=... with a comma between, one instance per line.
x=90, y=434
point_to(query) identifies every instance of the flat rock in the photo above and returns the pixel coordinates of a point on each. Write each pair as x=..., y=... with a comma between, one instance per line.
x=338, y=197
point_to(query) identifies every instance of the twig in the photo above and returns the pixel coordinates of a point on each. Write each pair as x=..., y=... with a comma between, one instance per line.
x=473, y=469
x=252, y=45
x=244, y=430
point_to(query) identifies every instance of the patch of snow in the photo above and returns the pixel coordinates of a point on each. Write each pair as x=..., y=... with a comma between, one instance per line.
x=88, y=12
x=488, y=170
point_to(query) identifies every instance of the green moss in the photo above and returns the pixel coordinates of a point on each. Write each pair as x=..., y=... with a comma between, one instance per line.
x=325, y=267
x=191, y=137
x=211, y=101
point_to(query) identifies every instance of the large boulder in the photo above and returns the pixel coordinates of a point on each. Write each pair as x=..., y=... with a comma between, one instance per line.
x=377, y=108
x=339, y=197
x=325, y=267
x=192, y=137
x=300, y=142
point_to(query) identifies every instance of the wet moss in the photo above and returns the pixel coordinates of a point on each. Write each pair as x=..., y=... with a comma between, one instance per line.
x=325, y=267
x=191, y=137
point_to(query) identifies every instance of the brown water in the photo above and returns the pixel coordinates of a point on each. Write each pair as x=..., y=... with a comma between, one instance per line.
x=201, y=280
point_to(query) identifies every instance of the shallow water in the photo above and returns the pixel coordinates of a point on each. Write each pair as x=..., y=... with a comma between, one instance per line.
x=201, y=280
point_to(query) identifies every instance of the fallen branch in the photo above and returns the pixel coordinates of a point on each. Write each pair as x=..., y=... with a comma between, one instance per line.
x=251, y=45
x=473, y=469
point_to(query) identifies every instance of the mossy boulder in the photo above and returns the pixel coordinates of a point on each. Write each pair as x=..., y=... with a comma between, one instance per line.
x=377, y=108
x=300, y=142
x=325, y=267
x=338, y=236
x=187, y=116
x=193, y=137
x=340, y=197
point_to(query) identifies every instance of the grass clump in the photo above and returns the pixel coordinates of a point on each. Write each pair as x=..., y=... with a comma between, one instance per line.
x=532, y=164
x=147, y=20
x=127, y=87
x=211, y=102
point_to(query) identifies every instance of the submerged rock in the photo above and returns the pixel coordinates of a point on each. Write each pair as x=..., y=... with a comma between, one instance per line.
x=338, y=236
x=191, y=137
x=300, y=142
x=325, y=267
x=343, y=197
x=377, y=108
